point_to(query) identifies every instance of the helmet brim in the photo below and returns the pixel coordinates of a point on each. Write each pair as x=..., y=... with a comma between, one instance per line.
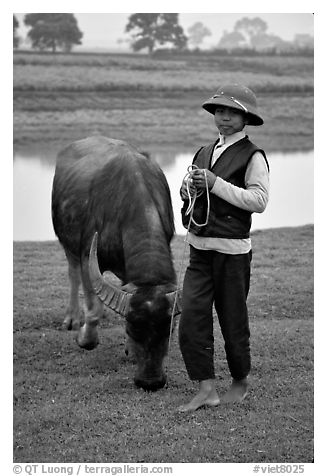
x=211, y=105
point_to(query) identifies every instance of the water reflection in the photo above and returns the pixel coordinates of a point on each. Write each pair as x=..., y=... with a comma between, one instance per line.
x=32, y=198
x=291, y=192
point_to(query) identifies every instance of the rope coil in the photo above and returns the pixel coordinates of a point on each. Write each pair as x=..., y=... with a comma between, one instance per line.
x=190, y=208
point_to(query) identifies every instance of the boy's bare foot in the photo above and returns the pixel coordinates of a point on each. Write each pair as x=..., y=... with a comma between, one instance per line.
x=237, y=392
x=207, y=395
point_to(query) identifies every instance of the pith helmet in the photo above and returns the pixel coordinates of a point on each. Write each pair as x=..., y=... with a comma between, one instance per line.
x=237, y=97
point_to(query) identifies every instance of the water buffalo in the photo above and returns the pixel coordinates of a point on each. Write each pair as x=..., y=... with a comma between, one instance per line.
x=111, y=210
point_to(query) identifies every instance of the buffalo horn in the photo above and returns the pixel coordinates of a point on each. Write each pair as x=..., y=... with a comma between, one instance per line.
x=113, y=297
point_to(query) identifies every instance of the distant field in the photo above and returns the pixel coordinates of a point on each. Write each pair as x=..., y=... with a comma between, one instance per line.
x=273, y=64
x=102, y=73
x=156, y=102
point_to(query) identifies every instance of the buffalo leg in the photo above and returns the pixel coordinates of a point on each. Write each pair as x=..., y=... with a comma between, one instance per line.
x=72, y=314
x=88, y=334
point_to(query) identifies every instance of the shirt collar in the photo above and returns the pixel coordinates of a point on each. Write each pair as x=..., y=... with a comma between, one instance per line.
x=229, y=140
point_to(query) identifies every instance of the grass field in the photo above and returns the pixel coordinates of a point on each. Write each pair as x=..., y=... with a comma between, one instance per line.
x=73, y=405
x=155, y=103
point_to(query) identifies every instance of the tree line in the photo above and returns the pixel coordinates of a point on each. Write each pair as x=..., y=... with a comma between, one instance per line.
x=153, y=32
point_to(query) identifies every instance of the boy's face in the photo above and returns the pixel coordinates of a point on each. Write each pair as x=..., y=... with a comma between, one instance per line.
x=229, y=120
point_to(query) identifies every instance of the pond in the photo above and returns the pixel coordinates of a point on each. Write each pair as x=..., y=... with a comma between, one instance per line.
x=291, y=192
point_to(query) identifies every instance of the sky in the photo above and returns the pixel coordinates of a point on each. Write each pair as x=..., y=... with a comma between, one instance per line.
x=102, y=30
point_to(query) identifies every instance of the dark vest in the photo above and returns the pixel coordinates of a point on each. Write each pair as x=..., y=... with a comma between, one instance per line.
x=225, y=220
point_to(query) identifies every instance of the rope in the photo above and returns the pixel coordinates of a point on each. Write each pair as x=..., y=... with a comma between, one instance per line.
x=190, y=208
x=189, y=211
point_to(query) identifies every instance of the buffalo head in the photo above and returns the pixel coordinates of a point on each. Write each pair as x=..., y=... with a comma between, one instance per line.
x=148, y=313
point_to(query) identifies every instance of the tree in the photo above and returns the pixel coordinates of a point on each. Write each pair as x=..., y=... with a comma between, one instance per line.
x=303, y=40
x=250, y=28
x=16, y=37
x=150, y=29
x=232, y=40
x=264, y=41
x=53, y=30
x=197, y=33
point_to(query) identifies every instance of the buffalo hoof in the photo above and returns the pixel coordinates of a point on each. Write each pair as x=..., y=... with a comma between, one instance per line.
x=70, y=324
x=150, y=385
x=87, y=338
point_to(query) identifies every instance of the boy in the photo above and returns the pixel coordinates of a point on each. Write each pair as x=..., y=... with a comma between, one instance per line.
x=236, y=173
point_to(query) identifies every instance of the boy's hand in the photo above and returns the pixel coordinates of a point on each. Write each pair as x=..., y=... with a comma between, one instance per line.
x=183, y=190
x=199, y=179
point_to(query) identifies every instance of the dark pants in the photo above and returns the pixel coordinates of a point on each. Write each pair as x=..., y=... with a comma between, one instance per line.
x=222, y=280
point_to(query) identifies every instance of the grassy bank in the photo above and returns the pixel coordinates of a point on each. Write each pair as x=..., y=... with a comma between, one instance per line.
x=156, y=103
x=73, y=405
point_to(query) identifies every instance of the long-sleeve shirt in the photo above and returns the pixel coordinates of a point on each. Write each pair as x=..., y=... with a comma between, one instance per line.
x=253, y=198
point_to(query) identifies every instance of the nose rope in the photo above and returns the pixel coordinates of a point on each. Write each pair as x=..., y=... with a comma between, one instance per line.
x=189, y=211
